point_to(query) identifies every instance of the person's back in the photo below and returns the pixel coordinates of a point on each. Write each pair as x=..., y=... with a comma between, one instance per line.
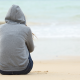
x=15, y=41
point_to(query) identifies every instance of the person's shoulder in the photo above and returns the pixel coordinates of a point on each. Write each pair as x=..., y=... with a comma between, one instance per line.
x=29, y=29
x=26, y=28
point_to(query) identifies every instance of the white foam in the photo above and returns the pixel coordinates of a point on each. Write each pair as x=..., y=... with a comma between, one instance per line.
x=56, y=31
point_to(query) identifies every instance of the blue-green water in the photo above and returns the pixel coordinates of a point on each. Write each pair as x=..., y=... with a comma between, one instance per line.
x=46, y=10
x=52, y=18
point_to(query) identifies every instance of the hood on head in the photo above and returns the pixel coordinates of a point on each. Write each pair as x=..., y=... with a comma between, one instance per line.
x=15, y=15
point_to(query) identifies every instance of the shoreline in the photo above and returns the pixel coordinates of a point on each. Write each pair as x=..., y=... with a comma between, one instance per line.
x=1, y=22
x=55, y=48
x=60, y=57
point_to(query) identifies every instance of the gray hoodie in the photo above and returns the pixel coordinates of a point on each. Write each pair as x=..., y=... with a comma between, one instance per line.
x=15, y=41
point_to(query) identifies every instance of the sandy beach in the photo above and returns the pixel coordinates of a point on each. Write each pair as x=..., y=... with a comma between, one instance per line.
x=52, y=66
x=57, y=46
x=57, y=69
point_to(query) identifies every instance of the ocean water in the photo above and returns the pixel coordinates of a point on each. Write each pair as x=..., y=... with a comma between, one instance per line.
x=48, y=18
x=56, y=23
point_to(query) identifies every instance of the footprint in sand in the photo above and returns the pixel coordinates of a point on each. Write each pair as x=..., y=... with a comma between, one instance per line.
x=41, y=72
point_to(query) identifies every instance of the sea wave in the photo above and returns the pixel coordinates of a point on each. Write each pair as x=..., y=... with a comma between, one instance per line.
x=76, y=16
x=68, y=7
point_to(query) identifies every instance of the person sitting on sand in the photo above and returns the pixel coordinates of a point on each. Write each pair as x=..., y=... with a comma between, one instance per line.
x=16, y=44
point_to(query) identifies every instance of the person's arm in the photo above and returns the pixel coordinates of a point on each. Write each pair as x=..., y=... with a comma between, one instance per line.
x=30, y=43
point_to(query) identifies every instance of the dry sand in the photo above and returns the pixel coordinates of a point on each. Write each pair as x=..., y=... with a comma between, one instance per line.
x=58, y=69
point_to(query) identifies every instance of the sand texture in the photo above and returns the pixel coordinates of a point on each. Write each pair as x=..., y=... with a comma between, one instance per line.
x=2, y=23
x=65, y=69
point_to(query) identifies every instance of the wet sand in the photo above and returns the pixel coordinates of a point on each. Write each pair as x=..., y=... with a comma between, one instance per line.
x=2, y=23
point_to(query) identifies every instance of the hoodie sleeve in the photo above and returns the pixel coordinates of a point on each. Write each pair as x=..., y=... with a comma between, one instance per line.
x=30, y=43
